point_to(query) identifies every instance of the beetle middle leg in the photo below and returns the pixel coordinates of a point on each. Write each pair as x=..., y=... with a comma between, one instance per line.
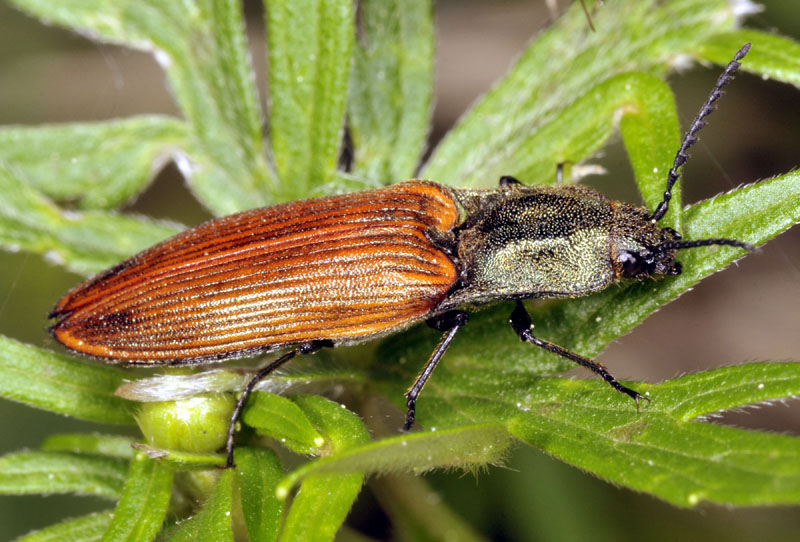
x=449, y=322
x=305, y=348
x=521, y=323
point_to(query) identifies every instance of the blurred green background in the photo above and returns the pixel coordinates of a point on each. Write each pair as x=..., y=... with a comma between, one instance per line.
x=748, y=312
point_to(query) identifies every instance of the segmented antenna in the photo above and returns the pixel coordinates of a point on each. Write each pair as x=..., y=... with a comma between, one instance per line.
x=689, y=139
x=678, y=244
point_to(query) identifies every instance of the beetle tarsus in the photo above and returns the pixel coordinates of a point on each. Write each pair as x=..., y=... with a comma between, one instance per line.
x=521, y=323
x=305, y=348
x=411, y=412
x=633, y=394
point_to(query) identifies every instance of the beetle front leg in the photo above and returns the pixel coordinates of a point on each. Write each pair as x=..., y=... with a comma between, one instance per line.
x=306, y=348
x=450, y=323
x=521, y=323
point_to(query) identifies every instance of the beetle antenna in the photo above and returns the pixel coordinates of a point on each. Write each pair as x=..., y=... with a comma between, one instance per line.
x=699, y=121
x=678, y=244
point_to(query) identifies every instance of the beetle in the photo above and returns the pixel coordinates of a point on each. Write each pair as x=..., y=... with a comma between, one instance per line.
x=350, y=268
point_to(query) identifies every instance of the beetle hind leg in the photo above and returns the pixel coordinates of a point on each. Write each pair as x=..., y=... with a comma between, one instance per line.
x=305, y=348
x=450, y=323
x=521, y=323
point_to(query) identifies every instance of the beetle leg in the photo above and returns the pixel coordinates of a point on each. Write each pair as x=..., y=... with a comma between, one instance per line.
x=443, y=240
x=450, y=323
x=508, y=180
x=559, y=173
x=305, y=348
x=521, y=323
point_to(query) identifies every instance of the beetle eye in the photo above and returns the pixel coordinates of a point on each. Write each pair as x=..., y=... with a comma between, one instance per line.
x=632, y=264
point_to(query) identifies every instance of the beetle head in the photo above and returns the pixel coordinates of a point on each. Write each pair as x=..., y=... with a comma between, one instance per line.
x=641, y=248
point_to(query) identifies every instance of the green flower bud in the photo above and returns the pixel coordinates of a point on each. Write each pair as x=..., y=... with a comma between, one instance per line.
x=198, y=424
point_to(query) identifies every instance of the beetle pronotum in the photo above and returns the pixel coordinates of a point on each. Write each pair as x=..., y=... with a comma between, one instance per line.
x=347, y=269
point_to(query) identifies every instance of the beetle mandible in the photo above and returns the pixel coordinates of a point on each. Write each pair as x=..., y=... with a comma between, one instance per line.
x=347, y=269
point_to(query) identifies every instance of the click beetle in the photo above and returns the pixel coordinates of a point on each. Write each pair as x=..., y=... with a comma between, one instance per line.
x=346, y=269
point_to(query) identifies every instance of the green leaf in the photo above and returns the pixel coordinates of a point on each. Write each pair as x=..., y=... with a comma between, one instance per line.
x=644, y=107
x=660, y=450
x=772, y=55
x=99, y=165
x=310, y=48
x=695, y=395
x=277, y=417
x=213, y=522
x=201, y=46
x=88, y=528
x=323, y=500
x=462, y=447
x=418, y=512
x=24, y=473
x=390, y=88
x=110, y=445
x=259, y=472
x=61, y=384
x=182, y=460
x=143, y=505
x=85, y=242
x=650, y=131
x=549, y=76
